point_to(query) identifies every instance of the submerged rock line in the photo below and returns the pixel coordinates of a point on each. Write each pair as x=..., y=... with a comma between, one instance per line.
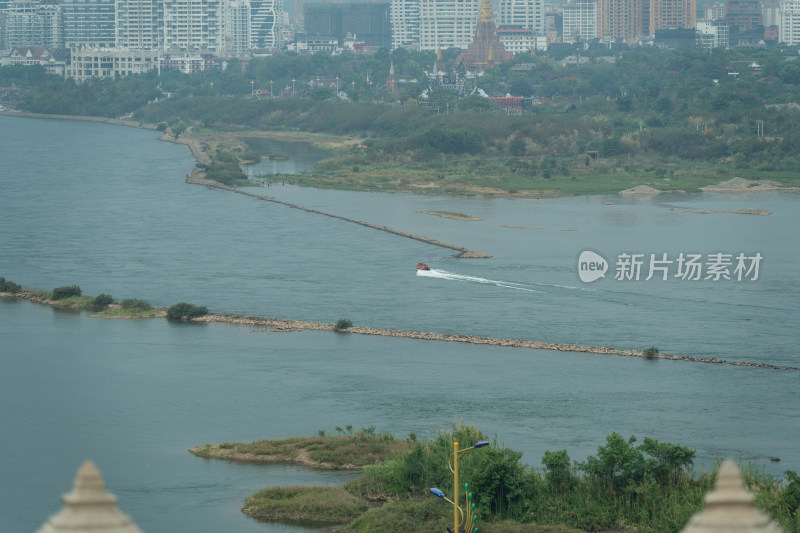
x=196, y=177
x=276, y=324
x=283, y=325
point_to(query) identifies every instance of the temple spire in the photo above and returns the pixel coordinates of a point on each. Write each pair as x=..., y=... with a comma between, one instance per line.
x=486, y=14
x=89, y=507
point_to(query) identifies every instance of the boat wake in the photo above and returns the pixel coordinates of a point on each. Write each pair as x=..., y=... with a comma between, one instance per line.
x=442, y=274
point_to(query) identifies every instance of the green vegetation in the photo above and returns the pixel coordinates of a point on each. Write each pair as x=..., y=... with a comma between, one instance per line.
x=651, y=352
x=342, y=324
x=357, y=449
x=224, y=168
x=60, y=293
x=102, y=301
x=673, y=120
x=131, y=308
x=9, y=286
x=649, y=487
x=185, y=311
x=332, y=505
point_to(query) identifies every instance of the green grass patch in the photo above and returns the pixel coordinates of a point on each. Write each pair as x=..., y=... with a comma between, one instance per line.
x=133, y=313
x=356, y=450
x=331, y=505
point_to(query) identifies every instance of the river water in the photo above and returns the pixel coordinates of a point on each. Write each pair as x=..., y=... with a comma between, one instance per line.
x=106, y=208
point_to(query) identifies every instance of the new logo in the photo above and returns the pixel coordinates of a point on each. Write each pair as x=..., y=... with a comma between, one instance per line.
x=591, y=266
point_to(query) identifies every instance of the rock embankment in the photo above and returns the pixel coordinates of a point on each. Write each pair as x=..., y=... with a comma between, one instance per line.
x=293, y=325
x=738, y=184
x=196, y=177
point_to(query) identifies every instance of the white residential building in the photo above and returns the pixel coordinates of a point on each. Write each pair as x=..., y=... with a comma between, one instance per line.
x=712, y=34
x=516, y=40
x=789, y=28
x=23, y=24
x=52, y=26
x=715, y=11
x=139, y=24
x=88, y=23
x=237, y=27
x=580, y=21
x=404, y=16
x=447, y=23
x=194, y=25
x=99, y=63
x=528, y=14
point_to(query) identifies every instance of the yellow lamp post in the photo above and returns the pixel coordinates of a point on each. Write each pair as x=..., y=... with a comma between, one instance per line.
x=461, y=519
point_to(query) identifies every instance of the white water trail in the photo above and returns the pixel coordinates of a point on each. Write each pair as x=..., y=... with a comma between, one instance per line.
x=442, y=274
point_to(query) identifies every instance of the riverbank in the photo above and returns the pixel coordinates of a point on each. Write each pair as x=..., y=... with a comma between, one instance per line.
x=284, y=325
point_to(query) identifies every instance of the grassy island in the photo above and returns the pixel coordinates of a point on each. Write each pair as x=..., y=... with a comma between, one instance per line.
x=628, y=486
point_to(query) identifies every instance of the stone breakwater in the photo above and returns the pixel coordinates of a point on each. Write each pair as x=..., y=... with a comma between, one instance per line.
x=196, y=177
x=284, y=325
x=295, y=325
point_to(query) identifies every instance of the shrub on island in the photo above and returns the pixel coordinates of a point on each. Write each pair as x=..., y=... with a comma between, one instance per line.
x=101, y=301
x=185, y=311
x=134, y=304
x=342, y=324
x=9, y=286
x=59, y=293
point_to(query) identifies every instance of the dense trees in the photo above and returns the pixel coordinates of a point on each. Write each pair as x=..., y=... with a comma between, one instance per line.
x=621, y=103
x=649, y=487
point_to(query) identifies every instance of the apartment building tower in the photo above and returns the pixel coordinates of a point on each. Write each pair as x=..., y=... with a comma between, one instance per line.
x=789, y=28
x=528, y=14
x=193, y=25
x=139, y=24
x=672, y=14
x=89, y=23
x=447, y=23
x=580, y=21
x=404, y=16
x=620, y=19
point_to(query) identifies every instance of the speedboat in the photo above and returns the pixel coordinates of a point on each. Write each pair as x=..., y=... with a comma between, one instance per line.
x=423, y=266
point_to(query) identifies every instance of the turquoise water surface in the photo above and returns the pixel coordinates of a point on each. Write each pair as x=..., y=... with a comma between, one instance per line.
x=107, y=208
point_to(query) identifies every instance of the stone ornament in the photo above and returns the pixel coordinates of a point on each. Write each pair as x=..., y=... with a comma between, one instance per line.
x=730, y=509
x=89, y=508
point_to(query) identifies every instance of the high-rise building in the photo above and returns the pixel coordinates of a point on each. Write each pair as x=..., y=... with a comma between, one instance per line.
x=672, y=14
x=368, y=22
x=789, y=28
x=237, y=27
x=447, y=23
x=405, y=19
x=620, y=19
x=52, y=25
x=712, y=34
x=23, y=24
x=715, y=11
x=88, y=23
x=265, y=31
x=193, y=25
x=580, y=21
x=139, y=24
x=528, y=14
x=744, y=15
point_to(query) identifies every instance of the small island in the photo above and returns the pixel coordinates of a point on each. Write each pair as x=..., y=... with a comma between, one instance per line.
x=647, y=486
x=455, y=215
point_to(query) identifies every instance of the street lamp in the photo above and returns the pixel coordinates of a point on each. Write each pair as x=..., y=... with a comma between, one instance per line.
x=252, y=88
x=271, y=94
x=460, y=519
x=293, y=80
